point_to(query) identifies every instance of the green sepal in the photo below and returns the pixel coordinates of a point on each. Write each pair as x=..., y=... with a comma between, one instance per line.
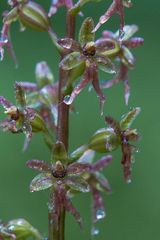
x=78, y=152
x=71, y=61
x=59, y=153
x=104, y=140
x=128, y=118
x=85, y=34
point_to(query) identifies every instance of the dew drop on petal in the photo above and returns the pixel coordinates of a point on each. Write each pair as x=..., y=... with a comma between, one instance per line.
x=100, y=214
x=94, y=231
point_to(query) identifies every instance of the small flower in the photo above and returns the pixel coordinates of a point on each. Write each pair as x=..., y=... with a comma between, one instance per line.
x=118, y=134
x=43, y=95
x=117, y=6
x=97, y=183
x=61, y=177
x=89, y=55
x=55, y=4
x=127, y=60
x=22, y=118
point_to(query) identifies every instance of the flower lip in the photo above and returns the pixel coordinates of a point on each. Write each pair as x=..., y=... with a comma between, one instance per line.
x=89, y=49
x=59, y=170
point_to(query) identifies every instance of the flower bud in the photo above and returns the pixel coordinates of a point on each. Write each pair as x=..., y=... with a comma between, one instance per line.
x=33, y=15
x=104, y=140
x=36, y=121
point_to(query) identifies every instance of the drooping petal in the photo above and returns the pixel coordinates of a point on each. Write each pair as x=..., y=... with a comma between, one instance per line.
x=38, y=165
x=134, y=42
x=101, y=163
x=41, y=182
x=20, y=95
x=59, y=153
x=77, y=183
x=128, y=118
x=5, y=103
x=77, y=168
x=86, y=79
x=71, y=61
x=85, y=34
x=98, y=210
x=126, y=161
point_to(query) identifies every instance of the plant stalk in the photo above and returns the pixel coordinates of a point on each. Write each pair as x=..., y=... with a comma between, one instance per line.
x=62, y=129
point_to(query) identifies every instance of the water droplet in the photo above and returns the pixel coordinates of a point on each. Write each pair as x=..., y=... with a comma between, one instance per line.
x=100, y=214
x=129, y=181
x=67, y=100
x=137, y=151
x=67, y=43
x=94, y=231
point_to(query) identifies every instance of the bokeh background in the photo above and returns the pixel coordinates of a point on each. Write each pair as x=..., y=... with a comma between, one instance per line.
x=133, y=211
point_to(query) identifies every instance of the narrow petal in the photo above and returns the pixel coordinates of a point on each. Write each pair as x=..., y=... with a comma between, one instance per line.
x=101, y=163
x=77, y=183
x=38, y=165
x=107, y=47
x=126, y=161
x=77, y=168
x=69, y=43
x=41, y=182
x=86, y=79
x=128, y=118
x=103, y=183
x=5, y=103
x=85, y=34
x=113, y=124
x=29, y=87
x=98, y=210
x=134, y=42
x=20, y=95
x=7, y=125
x=71, y=61
x=126, y=91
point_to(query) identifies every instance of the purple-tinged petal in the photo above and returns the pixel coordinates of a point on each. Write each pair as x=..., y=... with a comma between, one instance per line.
x=29, y=87
x=38, y=165
x=108, y=34
x=128, y=32
x=68, y=99
x=126, y=91
x=105, y=64
x=5, y=103
x=77, y=183
x=95, y=82
x=77, y=168
x=55, y=4
x=98, y=210
x=101, y=163
x=113, y=124
x=41, y=182
x=71, y=209
x=107, y=47
x=134, y=42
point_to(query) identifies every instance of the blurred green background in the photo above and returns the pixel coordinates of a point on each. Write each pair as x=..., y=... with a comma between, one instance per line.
x=133, y=211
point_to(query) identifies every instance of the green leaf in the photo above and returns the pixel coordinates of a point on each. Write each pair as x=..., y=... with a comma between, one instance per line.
x=128, y=118
x=85, y=34
x=41, y=182
x=71, y=61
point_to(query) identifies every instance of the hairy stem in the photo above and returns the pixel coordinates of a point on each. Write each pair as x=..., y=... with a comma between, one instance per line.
x=62, y=129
